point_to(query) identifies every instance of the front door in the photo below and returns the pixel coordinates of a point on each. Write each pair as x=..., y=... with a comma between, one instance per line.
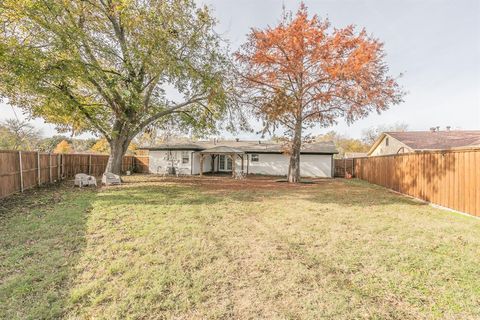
x=224, y=163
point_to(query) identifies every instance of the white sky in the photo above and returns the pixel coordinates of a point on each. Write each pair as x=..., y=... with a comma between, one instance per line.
x=435, y=43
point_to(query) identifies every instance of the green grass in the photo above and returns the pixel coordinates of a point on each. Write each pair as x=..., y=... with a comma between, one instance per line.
x=215, y=248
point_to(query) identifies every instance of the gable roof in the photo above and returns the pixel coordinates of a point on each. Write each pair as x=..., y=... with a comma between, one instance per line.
x=247, y=146
x=433, y=140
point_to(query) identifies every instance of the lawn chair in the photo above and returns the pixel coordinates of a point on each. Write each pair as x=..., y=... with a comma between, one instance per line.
x=82, y=180
x=111, y=179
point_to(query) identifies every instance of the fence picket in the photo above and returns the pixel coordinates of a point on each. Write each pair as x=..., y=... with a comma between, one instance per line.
x=449, y=178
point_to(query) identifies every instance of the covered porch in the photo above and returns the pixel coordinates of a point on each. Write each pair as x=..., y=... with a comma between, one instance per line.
x=224, y=157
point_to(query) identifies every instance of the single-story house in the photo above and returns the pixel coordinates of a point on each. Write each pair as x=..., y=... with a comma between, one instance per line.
x=415, y=141
x=251, y=157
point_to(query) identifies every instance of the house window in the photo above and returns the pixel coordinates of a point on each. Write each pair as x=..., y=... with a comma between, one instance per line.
x=225, y=163
x=185, y=157
x=386, y=141
x=255, y=158
x=221, y=162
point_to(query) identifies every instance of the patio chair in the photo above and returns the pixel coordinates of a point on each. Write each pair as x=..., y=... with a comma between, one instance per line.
x=81, y=179
x=111, y=179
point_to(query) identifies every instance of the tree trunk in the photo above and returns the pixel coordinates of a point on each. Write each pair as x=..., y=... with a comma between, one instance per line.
x=118, y=148
x=294, y=167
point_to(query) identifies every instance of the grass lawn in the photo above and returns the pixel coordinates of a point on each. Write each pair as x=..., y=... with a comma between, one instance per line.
x=215, y=248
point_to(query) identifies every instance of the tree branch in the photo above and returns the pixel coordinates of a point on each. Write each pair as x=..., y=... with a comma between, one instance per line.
x=82, y=109
x=168, y=111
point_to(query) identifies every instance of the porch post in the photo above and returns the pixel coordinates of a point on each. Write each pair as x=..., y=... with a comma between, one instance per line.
x=234, y=161
x=213, y=163
x=201, y=164
x=242, y=161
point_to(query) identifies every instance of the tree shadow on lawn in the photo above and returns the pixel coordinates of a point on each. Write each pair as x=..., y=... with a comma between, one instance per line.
x=323, y=191
x=42, y=236
x=155, y=195
x=154, y=190
x=360, y=193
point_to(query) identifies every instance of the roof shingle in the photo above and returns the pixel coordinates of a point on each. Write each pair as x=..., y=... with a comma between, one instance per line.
x=438, y=140
x=247, y=146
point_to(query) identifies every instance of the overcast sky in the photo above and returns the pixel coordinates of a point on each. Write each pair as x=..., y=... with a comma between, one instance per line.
x=434, y=43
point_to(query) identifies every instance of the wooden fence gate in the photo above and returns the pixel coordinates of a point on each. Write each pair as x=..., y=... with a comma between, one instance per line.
x=344, y=167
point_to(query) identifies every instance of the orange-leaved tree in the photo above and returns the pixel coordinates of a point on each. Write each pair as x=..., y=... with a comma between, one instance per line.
x=301, y=73
x=63, y=147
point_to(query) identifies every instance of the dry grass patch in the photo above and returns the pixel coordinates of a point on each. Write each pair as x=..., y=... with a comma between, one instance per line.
x=218, y=248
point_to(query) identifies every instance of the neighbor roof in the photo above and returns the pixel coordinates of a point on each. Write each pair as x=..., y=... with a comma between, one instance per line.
x=247, y=146
x=434, y=140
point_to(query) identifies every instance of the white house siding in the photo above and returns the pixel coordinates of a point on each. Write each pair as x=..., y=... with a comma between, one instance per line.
x=158, y=162
x=207, y=163
x=311, y=165
x=314, y=165
x=394, y=147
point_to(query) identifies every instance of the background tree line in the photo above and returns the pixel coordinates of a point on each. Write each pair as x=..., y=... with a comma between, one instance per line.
x=21, y=135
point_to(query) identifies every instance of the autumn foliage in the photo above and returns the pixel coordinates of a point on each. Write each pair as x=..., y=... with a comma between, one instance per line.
x=303, y=73
x=63, y=147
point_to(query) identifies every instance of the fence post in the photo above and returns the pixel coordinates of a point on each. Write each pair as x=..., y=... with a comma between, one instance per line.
x=62, y=169
x=58, y=167
x=353, y=167
x=38, y=169
x=50, y=167
x=21, y=170
x=89, y=164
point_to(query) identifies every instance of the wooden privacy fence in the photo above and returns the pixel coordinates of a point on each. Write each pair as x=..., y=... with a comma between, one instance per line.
x=21, y=170
x=447, y=178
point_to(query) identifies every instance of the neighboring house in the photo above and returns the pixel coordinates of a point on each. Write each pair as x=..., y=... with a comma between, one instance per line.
x=413, y=141
x=251, y=157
